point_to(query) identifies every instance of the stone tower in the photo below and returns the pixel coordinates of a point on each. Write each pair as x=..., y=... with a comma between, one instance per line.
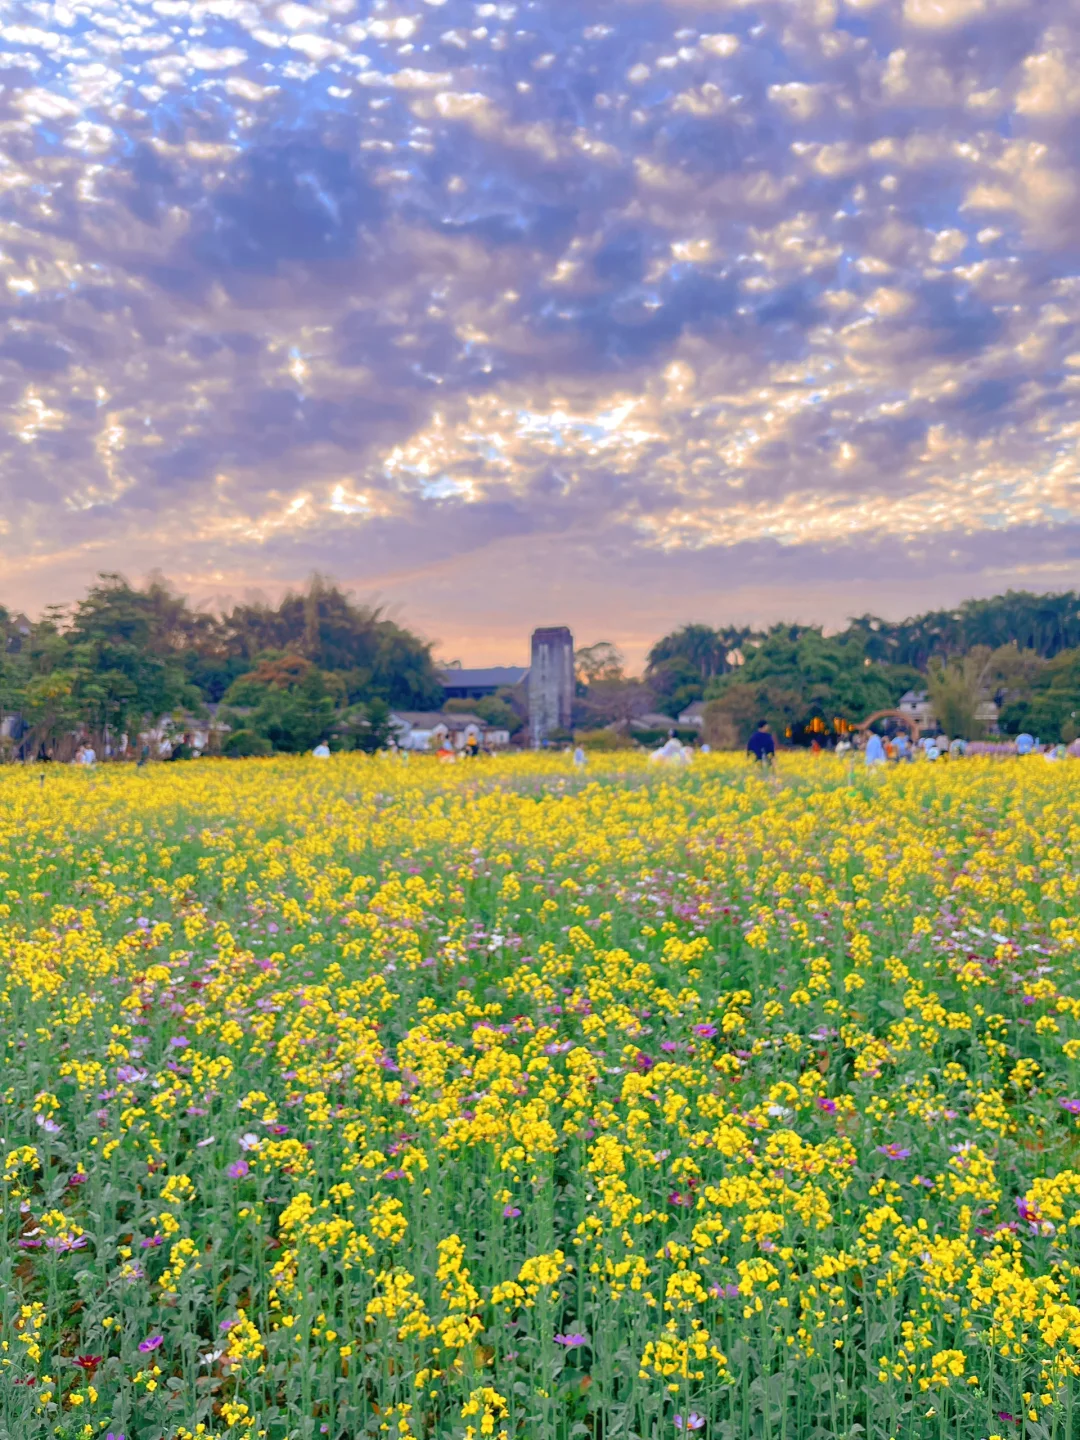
x=551, y=682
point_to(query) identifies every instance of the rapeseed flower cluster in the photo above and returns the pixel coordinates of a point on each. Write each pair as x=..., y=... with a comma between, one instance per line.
x=366, y=1098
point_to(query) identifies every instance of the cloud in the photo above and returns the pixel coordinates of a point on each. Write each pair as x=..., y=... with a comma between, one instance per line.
x=738, y=311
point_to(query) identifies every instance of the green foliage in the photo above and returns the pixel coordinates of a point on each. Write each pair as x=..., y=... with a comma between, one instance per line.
x=288, y=701
x=323, y=625
x=1045, y=624
x=604, y=740
x=1050, y=707
x=242, y=744
x=366, y=726
x=796, y=673
x=123, y=658
x=498, y=713
x=681, y=665
x=955, y=689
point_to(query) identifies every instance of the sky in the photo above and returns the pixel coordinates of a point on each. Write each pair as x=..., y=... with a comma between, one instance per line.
x=614, y=315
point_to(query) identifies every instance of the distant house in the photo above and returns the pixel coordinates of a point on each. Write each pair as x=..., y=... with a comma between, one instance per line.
x=652, y=721
x=431, y=729
x=693, y=716
x=986, y=713
x=916, y=703
x=477, y=684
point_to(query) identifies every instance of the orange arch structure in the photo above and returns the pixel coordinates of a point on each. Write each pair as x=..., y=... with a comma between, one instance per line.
x=901, y=715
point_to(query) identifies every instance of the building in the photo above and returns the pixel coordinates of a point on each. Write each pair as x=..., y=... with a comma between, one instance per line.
x=693, y=717
x=432, y=729
x=476, y=684
x=652, y=720
x=916, y=703
x=551, y=683
x=987, y=713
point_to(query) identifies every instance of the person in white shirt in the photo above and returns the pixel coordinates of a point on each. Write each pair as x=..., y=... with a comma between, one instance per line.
x=875, y=750
x=322, y=750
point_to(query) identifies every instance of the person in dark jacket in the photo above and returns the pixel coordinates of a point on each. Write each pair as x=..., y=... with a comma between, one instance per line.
x=761, y=744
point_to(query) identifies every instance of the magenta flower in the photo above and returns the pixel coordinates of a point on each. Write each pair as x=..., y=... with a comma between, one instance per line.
x=510, y=1212
x=705, y=1032
x=829, y=1106
x=66, y=1243
x=150, y=1344
x=894, y=1151
x=1073, y=1106
x=238, y=1169
x=573, y=1340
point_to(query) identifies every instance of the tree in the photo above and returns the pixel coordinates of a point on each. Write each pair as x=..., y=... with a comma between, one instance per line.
x=367, y=726
x=287, y=700
x=956, y=689
x=600, y=662
x=680, y=666
x=719, y=729
x=492, y=709
x=1050, y=709
x=795, y=674
x=617, y=702
x=123, y=646
x=242, y=744
x=324, y=625
x=50, y=708
x=733, y=715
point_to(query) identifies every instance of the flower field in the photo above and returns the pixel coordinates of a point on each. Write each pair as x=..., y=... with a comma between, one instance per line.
x=363, y=1098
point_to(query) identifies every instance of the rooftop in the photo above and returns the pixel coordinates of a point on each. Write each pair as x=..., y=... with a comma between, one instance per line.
x=490, y=676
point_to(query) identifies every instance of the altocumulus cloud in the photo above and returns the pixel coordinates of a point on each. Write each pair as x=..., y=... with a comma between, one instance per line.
x=453, y=299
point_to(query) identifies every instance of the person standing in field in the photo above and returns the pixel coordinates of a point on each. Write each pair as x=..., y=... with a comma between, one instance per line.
x=761, y=744
x=875, y=750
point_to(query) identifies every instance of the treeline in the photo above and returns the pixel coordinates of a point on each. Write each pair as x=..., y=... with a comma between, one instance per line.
x=1012, y=661
x=124, y=659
